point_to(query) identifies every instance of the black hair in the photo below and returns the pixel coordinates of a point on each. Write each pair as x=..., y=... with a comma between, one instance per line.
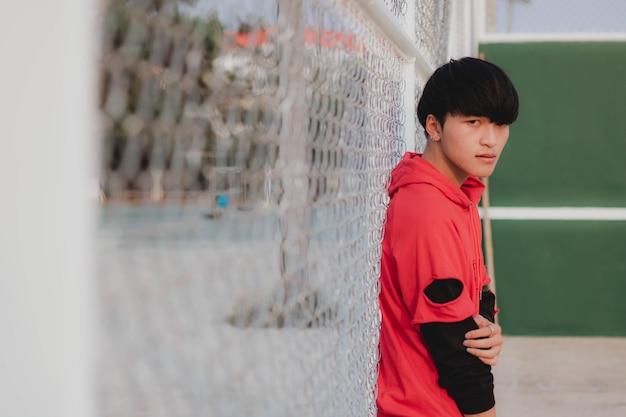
x=471, y=87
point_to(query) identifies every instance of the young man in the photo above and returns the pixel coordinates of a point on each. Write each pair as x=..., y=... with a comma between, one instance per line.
x=438, y=340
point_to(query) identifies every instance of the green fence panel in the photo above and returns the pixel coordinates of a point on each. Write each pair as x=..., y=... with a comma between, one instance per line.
x=561, y=277
x=568, y=147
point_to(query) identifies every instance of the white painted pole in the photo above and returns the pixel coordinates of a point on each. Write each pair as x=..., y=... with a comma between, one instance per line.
x=410, y=106
x=479, y=12
x=409, y=74
x=381, y=16
x=47, y=107
x=405, y=43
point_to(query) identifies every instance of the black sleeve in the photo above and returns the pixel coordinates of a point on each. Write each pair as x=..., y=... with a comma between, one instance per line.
x=468, y=380
x=488, y=305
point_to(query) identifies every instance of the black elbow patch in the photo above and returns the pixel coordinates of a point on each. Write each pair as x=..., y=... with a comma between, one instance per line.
x=444, y=290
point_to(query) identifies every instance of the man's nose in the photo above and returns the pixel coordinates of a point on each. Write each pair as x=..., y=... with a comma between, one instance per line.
x=490, y=133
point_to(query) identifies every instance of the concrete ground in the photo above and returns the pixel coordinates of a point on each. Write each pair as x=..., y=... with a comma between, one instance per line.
x=561, y=376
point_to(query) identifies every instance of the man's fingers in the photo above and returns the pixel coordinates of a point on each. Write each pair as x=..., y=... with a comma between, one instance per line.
x=487, y=343
x=487, y=356
x=479, y=333
x=485, y=353
x=481, y=321
x=487, y=329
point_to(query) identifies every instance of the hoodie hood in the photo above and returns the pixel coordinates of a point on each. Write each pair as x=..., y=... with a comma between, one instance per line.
x=415, y=170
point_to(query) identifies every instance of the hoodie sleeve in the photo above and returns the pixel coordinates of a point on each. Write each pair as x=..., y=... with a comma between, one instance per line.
x=429, y=245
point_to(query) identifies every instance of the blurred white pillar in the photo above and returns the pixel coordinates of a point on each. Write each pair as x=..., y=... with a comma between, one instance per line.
x=462, y=27
x=410, y=74
x=405, y=42
x=47, y=102
x=479, y=22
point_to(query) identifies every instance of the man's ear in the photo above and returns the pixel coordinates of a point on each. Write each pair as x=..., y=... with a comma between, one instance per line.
x=433, y=128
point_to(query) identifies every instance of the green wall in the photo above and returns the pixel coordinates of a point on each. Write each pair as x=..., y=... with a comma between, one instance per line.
x=567, y=149
x=561, y=277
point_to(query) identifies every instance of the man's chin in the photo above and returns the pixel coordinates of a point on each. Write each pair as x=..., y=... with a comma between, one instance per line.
x=484, y=174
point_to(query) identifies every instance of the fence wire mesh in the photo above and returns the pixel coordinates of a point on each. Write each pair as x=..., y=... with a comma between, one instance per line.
x=244, y=164
x=432, y=19
x=399, y=9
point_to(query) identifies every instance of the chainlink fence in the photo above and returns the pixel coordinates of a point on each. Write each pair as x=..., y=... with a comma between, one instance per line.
x=245, y=151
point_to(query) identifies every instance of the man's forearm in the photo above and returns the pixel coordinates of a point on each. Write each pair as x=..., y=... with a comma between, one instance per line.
x=468, y=380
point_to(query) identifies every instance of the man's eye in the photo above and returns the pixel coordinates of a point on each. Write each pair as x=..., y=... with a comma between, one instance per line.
x=472, y=122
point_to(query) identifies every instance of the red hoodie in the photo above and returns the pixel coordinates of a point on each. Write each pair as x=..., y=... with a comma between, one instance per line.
x=432, y=231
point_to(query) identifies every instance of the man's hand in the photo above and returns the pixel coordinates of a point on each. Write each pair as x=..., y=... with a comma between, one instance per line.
x=485, y=342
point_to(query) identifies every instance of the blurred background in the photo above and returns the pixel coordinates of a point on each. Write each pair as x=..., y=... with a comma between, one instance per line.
x=559, y=192
x=195, y=191
x=557, y=214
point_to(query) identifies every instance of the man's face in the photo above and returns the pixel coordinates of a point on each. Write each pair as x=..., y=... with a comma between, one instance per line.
x=471, y=145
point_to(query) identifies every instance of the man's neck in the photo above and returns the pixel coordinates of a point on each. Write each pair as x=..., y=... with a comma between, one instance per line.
x=434, y=155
